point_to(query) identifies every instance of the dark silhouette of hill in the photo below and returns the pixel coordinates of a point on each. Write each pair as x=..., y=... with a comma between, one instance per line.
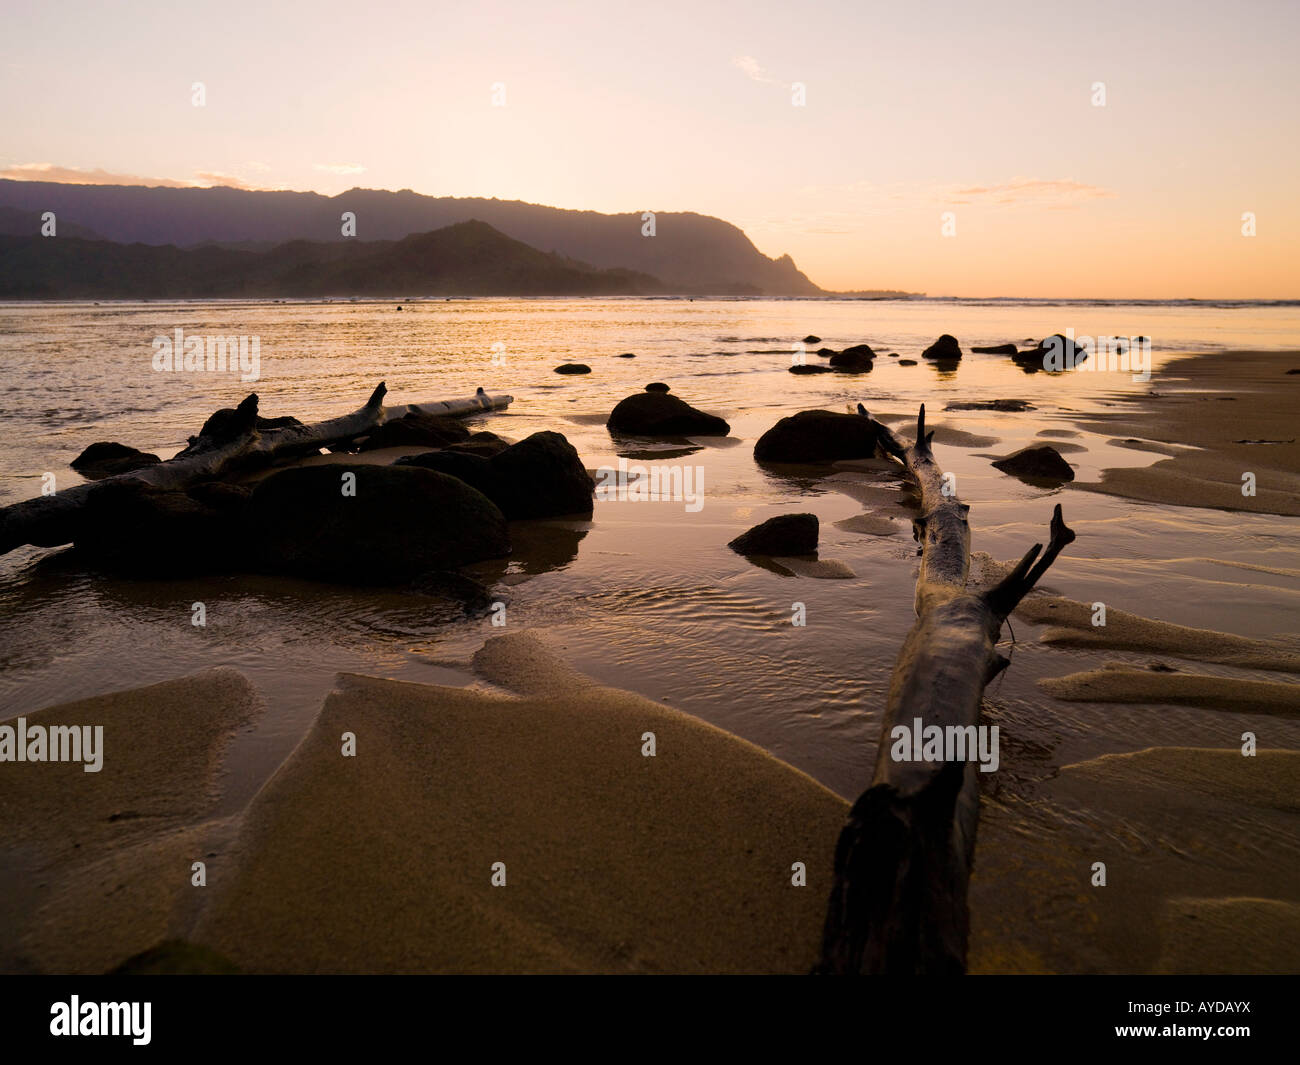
x=467, y=259
x=690, y=253
x=19, y=223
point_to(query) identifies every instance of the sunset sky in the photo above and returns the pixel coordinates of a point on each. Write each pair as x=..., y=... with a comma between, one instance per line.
x=912, y=110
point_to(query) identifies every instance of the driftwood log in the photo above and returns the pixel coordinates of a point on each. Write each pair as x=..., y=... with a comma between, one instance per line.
x=48, y=521
x=898, y=904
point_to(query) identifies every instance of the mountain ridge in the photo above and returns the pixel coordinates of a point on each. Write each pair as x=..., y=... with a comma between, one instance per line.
x=466, y=259
x=689, y=253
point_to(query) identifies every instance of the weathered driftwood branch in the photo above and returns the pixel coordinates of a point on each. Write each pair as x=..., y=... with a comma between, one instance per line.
x=903, y=861
x=48, y=521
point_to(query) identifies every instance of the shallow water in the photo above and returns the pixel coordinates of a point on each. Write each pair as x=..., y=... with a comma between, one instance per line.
x=646, y=595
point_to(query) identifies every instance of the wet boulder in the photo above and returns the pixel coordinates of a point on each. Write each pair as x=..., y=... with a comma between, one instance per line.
x=996, y=349
x=818, y=436
x=810, y=339
x=857, y=359
x=660, y=414
x=657, y=386
x=787, y=534
x=573, y=368
x=945, y=349
x=1041, y=463
x=142, y=530
x=542, y=476
x=372, y=524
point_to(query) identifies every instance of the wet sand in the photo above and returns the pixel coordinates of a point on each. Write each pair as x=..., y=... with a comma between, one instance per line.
x=1226, y=414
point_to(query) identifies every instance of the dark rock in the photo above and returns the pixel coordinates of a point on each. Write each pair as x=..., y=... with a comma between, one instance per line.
x=1296, y=370
x=1041, y=463
x=539, y=477
x=996, y=349
x=893, y=354
x=788, y=534
x=817, y=436
x=402, y=522
x=573, y=367
x=1013, y=406
x=141, y=530
x=857, y=359
x=810, y=367
x=415, y=429
x=659, y=414
x=105, y=458
x=945, y=349
x=906, y=362
x=1054, y=354
x=656, y=386
x=484, y=443
x=826, y=353
x=626, y=355
x=810, y=339
x=474, y=598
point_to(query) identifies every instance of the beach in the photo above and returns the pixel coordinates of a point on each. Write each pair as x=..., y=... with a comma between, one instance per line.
x=523, y=743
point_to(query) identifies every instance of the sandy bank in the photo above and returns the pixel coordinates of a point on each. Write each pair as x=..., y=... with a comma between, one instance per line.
x=383, y=862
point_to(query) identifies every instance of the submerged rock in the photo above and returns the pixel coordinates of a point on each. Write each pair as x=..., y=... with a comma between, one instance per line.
x=625, y=355
x=106, y=458
x=395, y=523
x=906, y=362
x=787, y=534
x=826, y=353
x=996, y=349
x=659, y=414
x=1010, y=405
x=945, y=349
x=539, y=477
x=1042, y=462
x=817, y=436
x=810, y=367
x=573, y=367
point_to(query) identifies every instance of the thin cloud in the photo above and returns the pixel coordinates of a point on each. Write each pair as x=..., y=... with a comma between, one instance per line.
x=209, y=178
x=753, y=69
x=72, y=175
x=1060, y=192
x=340, y=168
